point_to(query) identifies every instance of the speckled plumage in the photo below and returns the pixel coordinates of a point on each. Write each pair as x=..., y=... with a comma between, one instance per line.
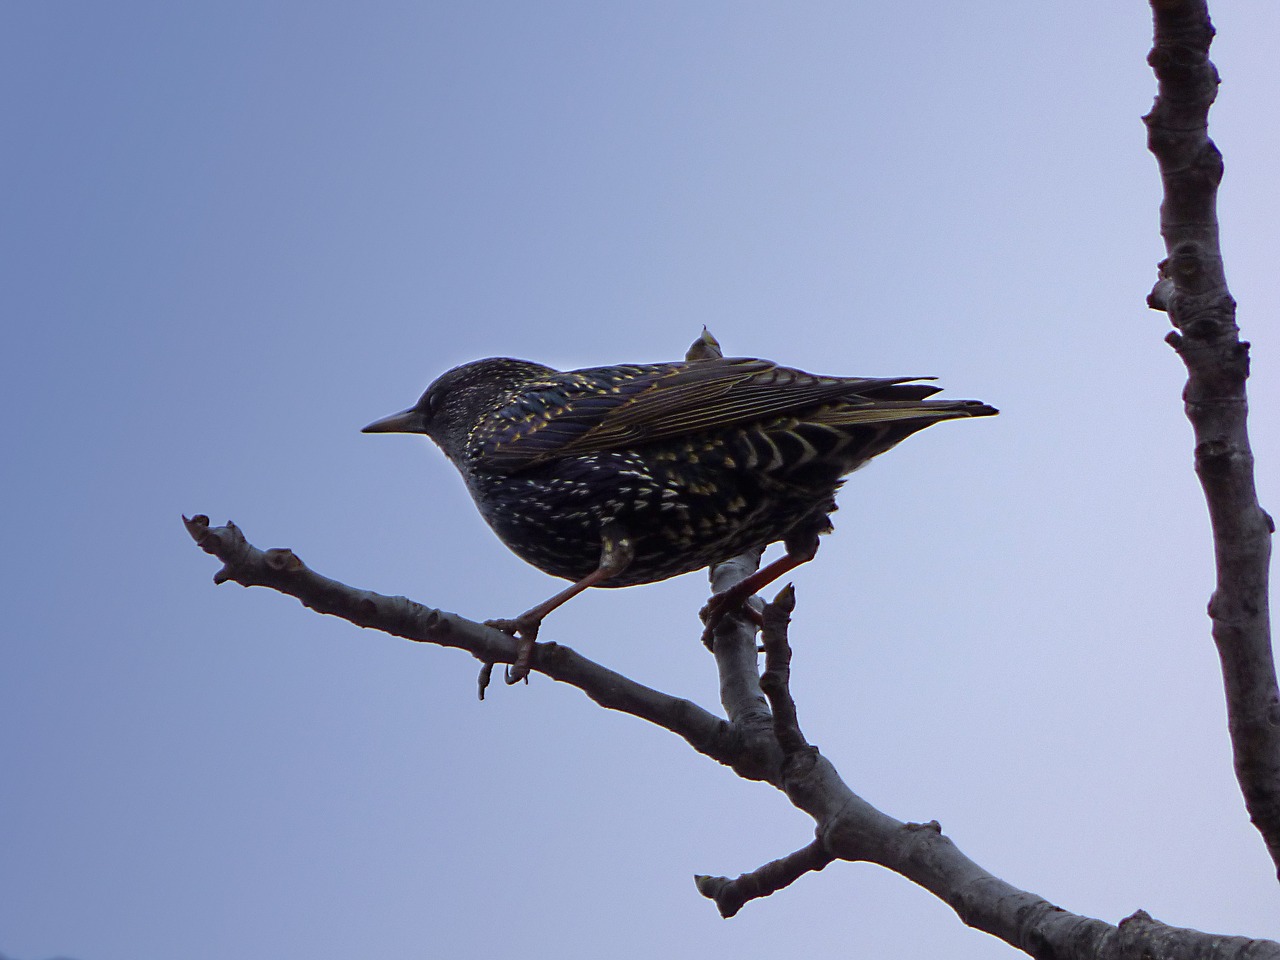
x=695, y=461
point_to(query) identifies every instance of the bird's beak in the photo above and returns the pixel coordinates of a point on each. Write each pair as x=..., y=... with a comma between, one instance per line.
x=406, y=421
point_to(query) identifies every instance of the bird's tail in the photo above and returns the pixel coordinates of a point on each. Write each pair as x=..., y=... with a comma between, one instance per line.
x=897, y=410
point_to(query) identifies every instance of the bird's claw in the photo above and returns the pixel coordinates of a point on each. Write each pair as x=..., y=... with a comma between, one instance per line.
x=525, y=632
x=723, y=604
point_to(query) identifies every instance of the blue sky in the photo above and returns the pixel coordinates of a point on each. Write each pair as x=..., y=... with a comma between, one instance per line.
x=235, y=233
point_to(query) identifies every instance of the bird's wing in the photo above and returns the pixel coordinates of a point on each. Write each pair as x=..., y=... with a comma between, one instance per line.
x=608, y=408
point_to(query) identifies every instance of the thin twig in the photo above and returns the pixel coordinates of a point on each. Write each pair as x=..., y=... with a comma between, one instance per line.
x=730, y=895
x=776, y=682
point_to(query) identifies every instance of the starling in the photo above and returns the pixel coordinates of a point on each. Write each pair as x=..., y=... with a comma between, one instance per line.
x=613, y=476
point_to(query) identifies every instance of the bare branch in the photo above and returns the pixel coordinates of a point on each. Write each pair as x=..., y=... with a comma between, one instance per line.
x=1193, y=291
x=734, y=647
x=851, y=829
x=1142, y=937
x=848, y=827
x=730, y=895
x=283, y=571
x=776, y=681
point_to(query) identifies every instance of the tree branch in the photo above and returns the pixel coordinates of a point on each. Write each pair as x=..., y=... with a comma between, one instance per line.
x=730, y=895
x=776, y=682
x=848, y=828
x=283, y=571
x=1192, y=289
x=734, y=648
x=851, y=829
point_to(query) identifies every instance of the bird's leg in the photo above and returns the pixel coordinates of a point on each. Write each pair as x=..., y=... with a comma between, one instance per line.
x=802, y=546
x=616, y=553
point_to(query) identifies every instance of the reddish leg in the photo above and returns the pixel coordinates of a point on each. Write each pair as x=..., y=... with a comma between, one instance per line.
x=801, y=548
x=616, y=553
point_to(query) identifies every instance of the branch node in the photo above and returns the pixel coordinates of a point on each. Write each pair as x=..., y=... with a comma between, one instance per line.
x=1161, y=294
x=283, y=560
x=933, y=826
x=1214, y=453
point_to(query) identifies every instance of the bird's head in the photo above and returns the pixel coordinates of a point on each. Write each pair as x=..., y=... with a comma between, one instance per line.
x=458, y=402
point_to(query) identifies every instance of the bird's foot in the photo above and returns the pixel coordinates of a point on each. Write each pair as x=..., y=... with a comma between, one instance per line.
x=525, y=631
x=723, y=604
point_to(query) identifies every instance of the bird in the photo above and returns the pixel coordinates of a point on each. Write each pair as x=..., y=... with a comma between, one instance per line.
x=628, y=474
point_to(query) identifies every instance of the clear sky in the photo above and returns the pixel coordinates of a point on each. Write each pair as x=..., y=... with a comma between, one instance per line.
x=235, y=233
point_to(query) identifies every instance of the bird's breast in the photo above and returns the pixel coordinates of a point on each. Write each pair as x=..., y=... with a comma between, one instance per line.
x=684, y=507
